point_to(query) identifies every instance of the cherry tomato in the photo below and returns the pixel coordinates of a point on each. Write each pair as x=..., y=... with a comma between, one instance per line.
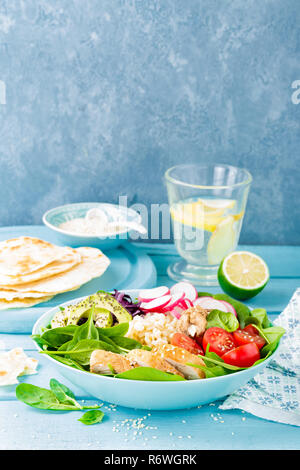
x=242, y=356
x=185, y=342
x=219, y=340
x=248, y=335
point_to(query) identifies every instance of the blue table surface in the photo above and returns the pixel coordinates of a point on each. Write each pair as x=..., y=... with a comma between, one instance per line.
x=205, y=427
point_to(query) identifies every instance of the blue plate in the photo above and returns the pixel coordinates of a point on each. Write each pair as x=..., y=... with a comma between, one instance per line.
x=54, y=217
x=145, y=394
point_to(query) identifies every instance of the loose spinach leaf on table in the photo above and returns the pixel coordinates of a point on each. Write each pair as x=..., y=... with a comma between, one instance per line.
x=225, y=320
x=63, y=393
x=92, y=417
x=148, y=373
x=45, y=399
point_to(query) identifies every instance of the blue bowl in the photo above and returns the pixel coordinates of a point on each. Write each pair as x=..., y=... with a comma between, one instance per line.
x=54, y=217
x=145, y=394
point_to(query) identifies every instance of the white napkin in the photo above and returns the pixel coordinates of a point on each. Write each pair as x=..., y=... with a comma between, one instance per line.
x=274, y=394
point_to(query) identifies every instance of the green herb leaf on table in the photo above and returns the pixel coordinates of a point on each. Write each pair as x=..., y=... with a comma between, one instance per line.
x=59, y=398
x=92, y=417
x=63, y=393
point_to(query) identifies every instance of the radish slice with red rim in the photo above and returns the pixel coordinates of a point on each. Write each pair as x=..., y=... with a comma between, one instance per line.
x=230, y=308
x=189, y=291
x=155, y=305
x=176, y=300
x=146, y=295
x=211, y=304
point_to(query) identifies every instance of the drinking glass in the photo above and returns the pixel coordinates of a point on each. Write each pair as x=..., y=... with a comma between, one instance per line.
x=207, y=206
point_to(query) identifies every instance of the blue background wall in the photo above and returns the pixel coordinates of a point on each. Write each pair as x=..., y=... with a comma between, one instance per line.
x=102, y=96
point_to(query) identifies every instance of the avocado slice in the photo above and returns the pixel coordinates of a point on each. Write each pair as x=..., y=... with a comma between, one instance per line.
x=105, y=307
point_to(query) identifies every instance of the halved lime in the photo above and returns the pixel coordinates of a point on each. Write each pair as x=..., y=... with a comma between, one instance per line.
x=243, y=275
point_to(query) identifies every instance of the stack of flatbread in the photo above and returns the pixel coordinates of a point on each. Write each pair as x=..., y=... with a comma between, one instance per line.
x=33, y=271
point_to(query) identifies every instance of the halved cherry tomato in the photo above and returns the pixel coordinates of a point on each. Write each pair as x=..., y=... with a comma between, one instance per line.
x=219, y=340
x=242, y=356
x=185, y=342
x=248, y=335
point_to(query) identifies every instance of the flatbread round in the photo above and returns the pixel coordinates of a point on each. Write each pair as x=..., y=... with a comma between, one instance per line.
x=25, y=255
x=93, y=264
x=66, y=262
x=19, y=303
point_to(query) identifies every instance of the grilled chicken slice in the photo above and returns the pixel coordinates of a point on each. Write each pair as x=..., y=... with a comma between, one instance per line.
x=144, y=358
x=178, y=358
x=101, y=360
x=193, y=321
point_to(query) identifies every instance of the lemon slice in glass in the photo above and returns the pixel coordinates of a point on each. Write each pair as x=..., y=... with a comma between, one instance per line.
x=221, y=204
x=243, y=274
x=222, y=240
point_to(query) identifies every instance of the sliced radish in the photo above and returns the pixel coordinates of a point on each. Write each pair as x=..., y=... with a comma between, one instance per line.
x=210, y=304
x=147, y=295
x=156, y=305
x=230, y=308
x=187, y=288
x=176, y=300
x=187, y=303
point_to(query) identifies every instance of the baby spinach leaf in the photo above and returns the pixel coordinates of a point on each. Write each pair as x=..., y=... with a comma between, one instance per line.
x=148, y=373
x=66, y=360
x=63, y=393
x=82, y=351
x=225, y=320
x=243, y=312
x=41, y=398
x=117, y=330
x=92, y=417
x=127, y=343
x=57, y=336
x=273, y=333
x=260, y=314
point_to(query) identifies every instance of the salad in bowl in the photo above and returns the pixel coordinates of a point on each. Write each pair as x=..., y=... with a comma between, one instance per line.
x=158, y=348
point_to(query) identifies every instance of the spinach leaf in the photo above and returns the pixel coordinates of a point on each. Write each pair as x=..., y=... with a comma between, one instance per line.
x=243, y=312
x=45, y=399
x=127, y=343
x=117, y=330
x=204, y=294
x=57, y=336
x=66, y=360
x=63, y=393
x=82, y=351
x=41, y=398
x=148, y=373
x=92, y=417
x=225, y=320
x=273, y=333
x=260, y=314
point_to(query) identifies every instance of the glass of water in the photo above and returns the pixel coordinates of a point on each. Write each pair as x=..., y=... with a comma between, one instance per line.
x=207, y=206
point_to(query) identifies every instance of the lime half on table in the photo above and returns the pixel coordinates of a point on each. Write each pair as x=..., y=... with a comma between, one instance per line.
x=243, y=275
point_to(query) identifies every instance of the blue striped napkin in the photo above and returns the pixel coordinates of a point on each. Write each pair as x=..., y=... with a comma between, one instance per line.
x=274, y=394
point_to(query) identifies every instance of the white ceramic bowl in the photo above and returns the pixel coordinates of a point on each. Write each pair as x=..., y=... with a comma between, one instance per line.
x=146, y=394
x=56, y=216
